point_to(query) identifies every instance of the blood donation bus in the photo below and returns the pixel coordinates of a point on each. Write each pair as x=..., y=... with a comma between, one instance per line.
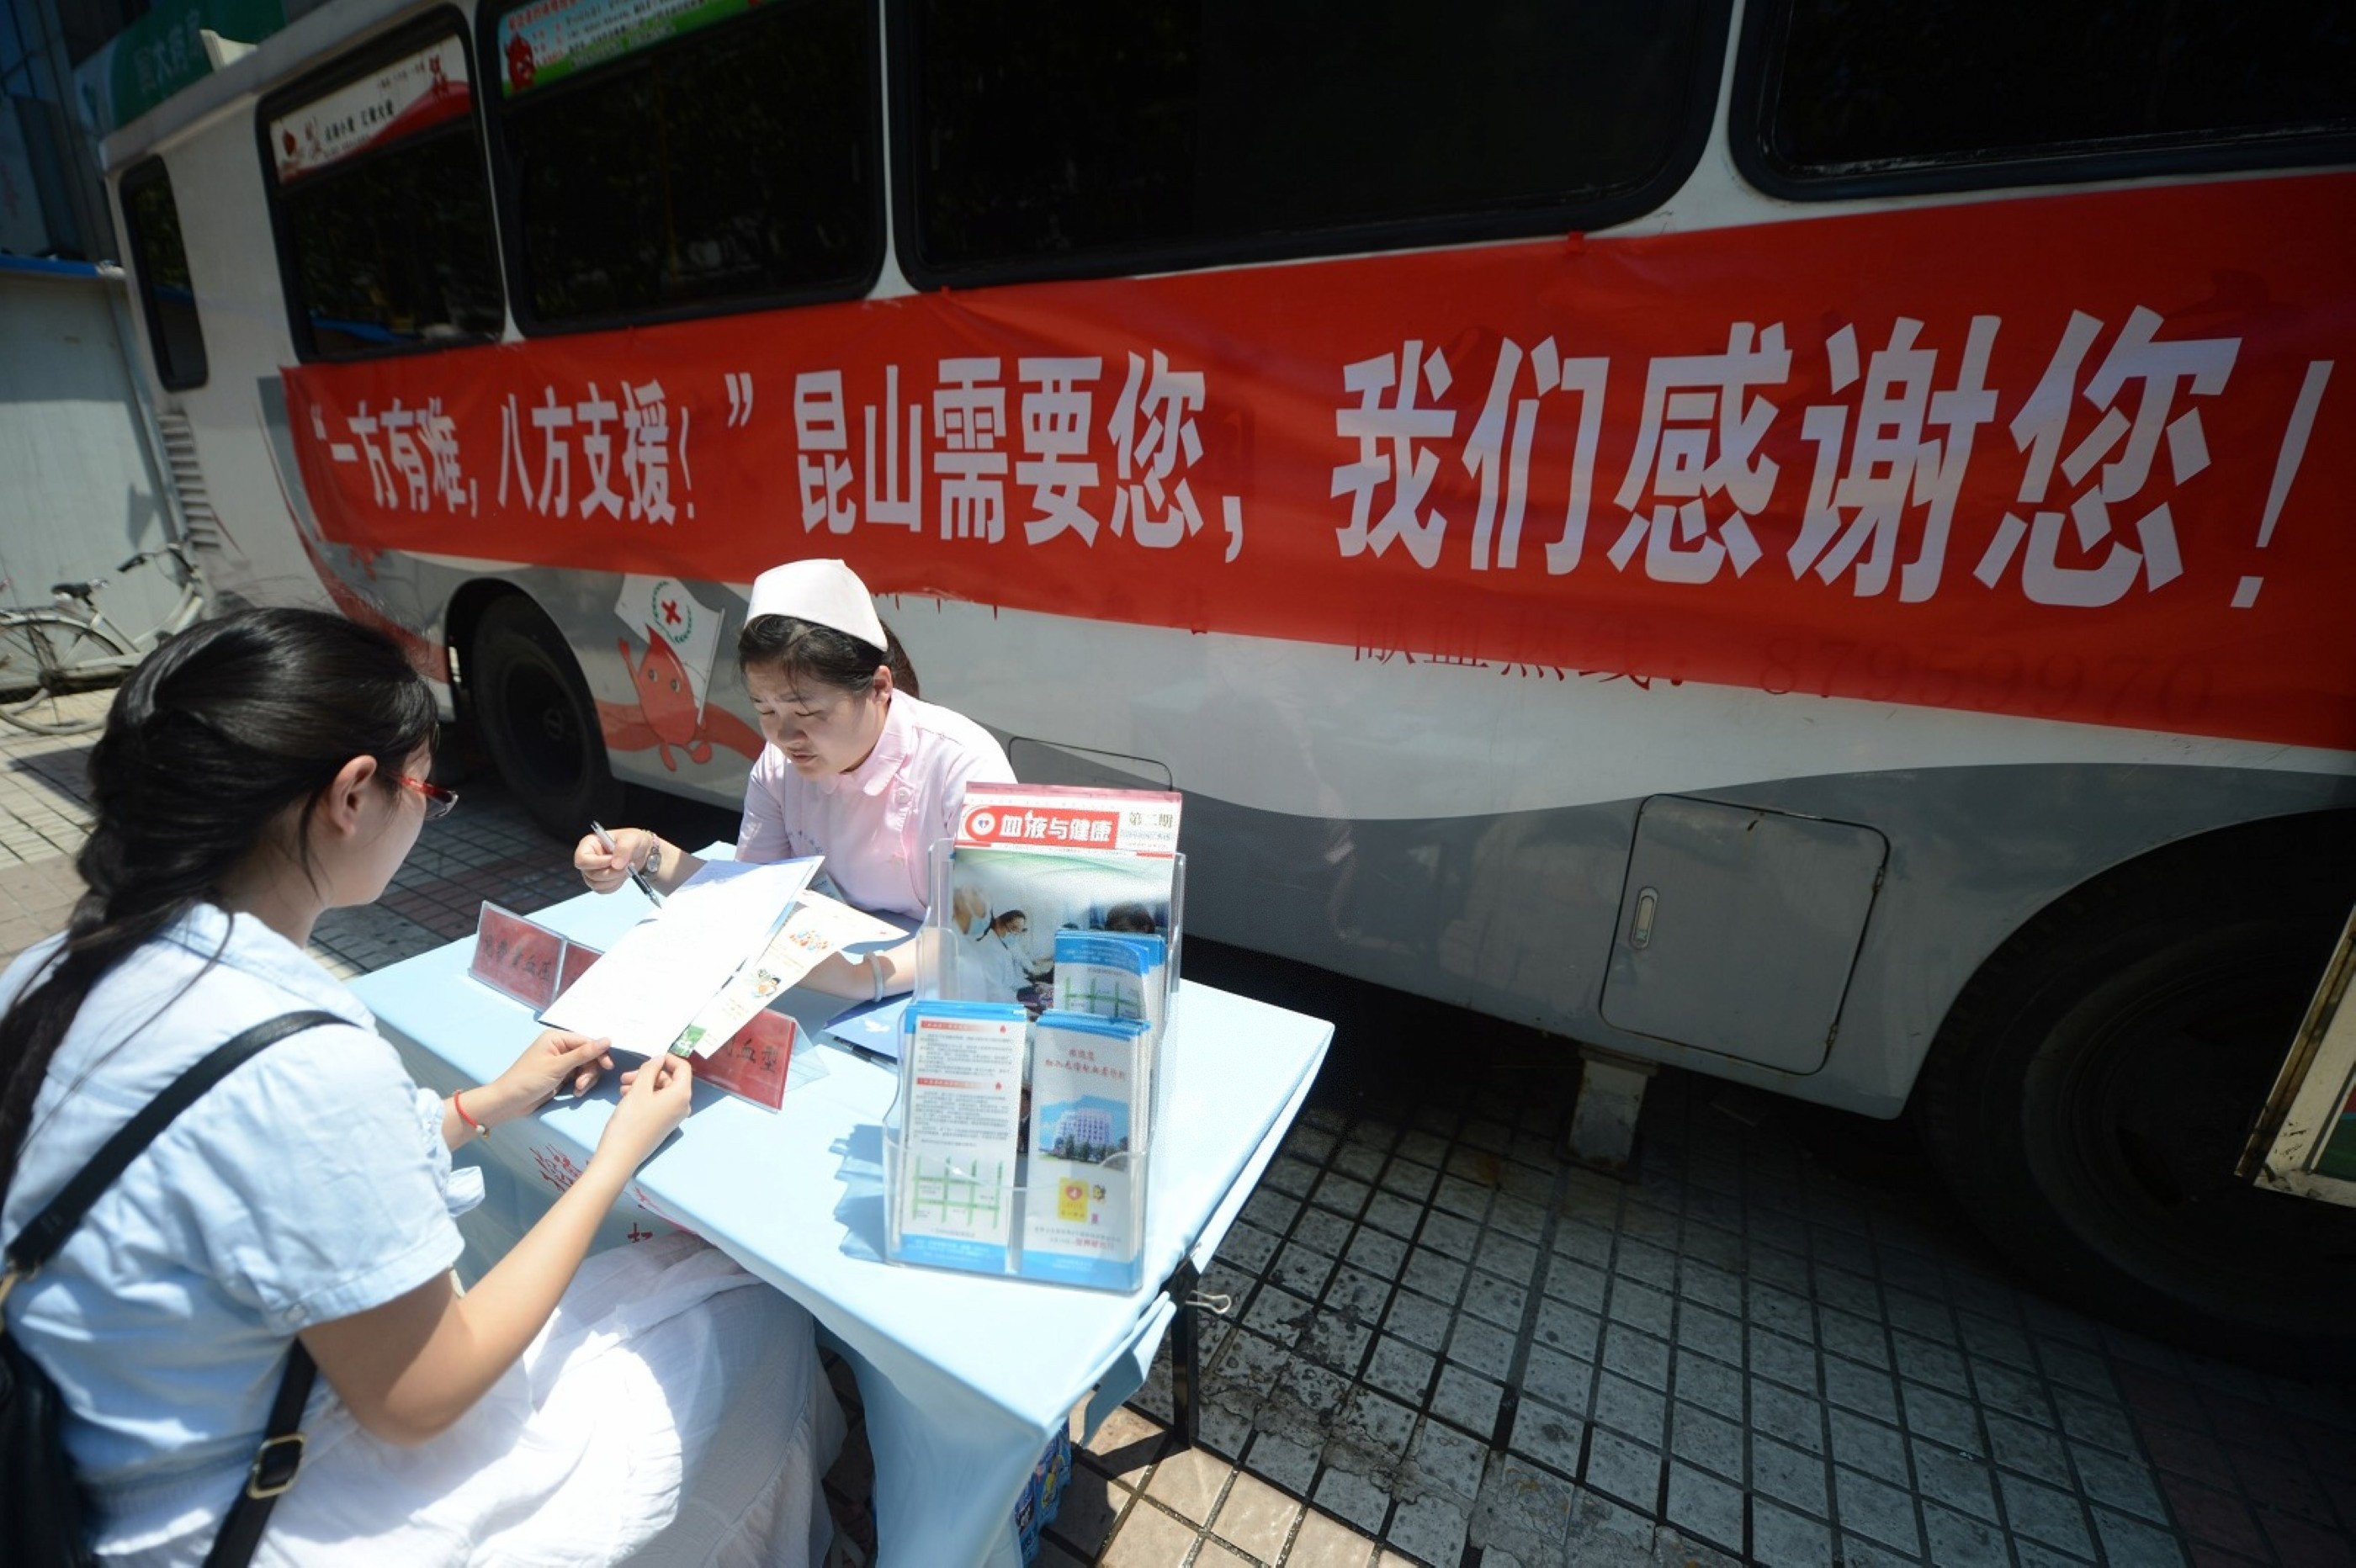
x=1805, y=541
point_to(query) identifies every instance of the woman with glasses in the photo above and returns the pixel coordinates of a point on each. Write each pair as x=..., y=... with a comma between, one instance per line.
x=858, y=769
x=654, y=1403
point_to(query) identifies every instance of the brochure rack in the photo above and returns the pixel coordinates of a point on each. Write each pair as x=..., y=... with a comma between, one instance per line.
x=1047, y=1174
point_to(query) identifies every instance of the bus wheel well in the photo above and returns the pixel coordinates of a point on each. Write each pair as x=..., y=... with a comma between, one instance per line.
x=531, y=710
x=2089, y=1092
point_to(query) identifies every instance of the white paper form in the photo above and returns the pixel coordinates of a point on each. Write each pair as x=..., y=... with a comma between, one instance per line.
x=816, y=929
x=650, y=985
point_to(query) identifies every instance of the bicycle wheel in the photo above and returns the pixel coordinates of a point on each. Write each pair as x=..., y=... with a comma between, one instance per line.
x=47, y=661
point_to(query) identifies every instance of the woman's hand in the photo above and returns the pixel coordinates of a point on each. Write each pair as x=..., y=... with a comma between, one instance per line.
x=657, y=1094
x=604, y=869
x=557, y=1060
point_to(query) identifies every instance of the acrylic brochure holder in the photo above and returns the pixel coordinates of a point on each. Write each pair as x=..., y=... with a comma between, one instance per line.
x=1021, y=1141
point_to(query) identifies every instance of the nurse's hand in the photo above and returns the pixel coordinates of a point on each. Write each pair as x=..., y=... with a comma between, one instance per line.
x=604, y=869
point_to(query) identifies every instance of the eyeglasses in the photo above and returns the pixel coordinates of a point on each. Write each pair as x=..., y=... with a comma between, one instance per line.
x=439, y=802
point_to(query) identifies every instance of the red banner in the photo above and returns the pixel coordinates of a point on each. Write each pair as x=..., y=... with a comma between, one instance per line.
x=2070, y=456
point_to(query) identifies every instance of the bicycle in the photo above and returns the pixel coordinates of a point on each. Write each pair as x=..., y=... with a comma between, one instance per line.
x=50, y=653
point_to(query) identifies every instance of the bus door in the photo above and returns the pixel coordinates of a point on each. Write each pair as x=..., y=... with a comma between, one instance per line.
x=2304, y=1142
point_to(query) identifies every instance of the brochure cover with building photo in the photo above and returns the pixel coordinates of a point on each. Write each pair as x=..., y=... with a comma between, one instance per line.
x=1084, y=1217
x=1033, y=862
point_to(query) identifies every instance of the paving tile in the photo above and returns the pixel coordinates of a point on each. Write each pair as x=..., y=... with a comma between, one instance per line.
x=1711, y=1384
x=1279, y=1314
x=1291, y=1176
x=1787, y=1361
x=2044, y=1514
x=1283, y=1459
x=1787, y=1475
x=1955, y=1480
x=1328, y=1233
x=1443, y=1455
x=1360, y=1161
x=1510, y=1259
x=1851, y=1292
x=1924, y=1362
x=1428, y=1530
x=1621, y=1468
x=1959, y=1542
x=1377, y=1253
x=1337, y=1342
x=1458, y=1195
x=1845, y=1334
x=1988, y=1339
x=2117, y=1482
x=1569, y=1329
x=1395, y=1215
x=1711, y=1332
x=1341, y=1194
x=1519, y=1217
x=1434, y=1273
x=1357, y=1292
x=1944, y=1419
x=1774, y=1268
x=2302, y=1543
x=1637, y=1356
x=1717, y=1288
x=1524, y=1512
x=1547, y=1436
x=1646, y=1262
x=1084, y=1520
x=1123, y=1447
x=2136, y=1543
x=1483, y=1347
x=1584, y=1242
x=1268, y=1208
x=1700, y=1438
x=1780, y=1539
x=1922, y=1316
x=2018, y=1445
x=1399, y=1367
x=1449, y=1233
x=1706, y=1507
x=1861, y=1389
x=1358, y=1501
x=1630, y=1408
x=2013, y=1393
x=1247, y=1247
x=1560, y=1381
x=1876, y=1510
x=1869, y=1446
x=1323, y=1541
x=1301, y=1269
x=1311, y=1144
x=1782, y=1310
x=1419, y=1319
x=1790, y=1417
x=1466, y=1399
x=1189, y=1483
x=1487, y=1297
x=1641, y=1307
x=1424, y=1148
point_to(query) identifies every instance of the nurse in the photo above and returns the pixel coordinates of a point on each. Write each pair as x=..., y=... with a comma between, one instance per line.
x=858, y=769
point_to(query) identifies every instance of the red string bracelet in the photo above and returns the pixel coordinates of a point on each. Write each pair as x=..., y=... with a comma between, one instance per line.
x=459, y=1105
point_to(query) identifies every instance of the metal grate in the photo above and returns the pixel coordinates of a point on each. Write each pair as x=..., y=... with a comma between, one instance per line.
x=201, y=526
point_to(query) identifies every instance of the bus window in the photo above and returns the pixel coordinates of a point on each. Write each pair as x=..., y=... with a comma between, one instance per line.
x=1848, y=99
x=152, y=220
x=711, y=157
x=381, y=202
x=1077, y=139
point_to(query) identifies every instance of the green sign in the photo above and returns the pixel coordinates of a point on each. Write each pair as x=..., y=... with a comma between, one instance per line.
x=170, y=47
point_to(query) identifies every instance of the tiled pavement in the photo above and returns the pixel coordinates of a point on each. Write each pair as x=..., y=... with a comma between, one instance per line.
x=1774, y=1342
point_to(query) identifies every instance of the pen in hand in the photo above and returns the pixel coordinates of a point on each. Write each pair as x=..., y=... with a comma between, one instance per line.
x=605, y=842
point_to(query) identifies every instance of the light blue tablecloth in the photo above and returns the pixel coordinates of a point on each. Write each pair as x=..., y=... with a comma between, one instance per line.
x=964, y=1377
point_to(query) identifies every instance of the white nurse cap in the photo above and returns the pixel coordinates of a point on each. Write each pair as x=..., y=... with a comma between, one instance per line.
x=825, y=593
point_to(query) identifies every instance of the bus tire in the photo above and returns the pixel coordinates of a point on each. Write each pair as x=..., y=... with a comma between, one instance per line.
x=537, y=719
x=2092, y=1086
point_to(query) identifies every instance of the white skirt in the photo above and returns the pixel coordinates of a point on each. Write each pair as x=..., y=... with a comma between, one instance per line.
x=672, y=1412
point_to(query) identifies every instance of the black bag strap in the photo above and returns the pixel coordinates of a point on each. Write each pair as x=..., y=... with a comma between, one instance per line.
x=40, y=1238
x=281, y=1454
x=273, y=1467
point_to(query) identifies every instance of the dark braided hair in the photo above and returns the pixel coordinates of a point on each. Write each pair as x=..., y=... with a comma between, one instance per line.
x=806, y=651
x=207, y=743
